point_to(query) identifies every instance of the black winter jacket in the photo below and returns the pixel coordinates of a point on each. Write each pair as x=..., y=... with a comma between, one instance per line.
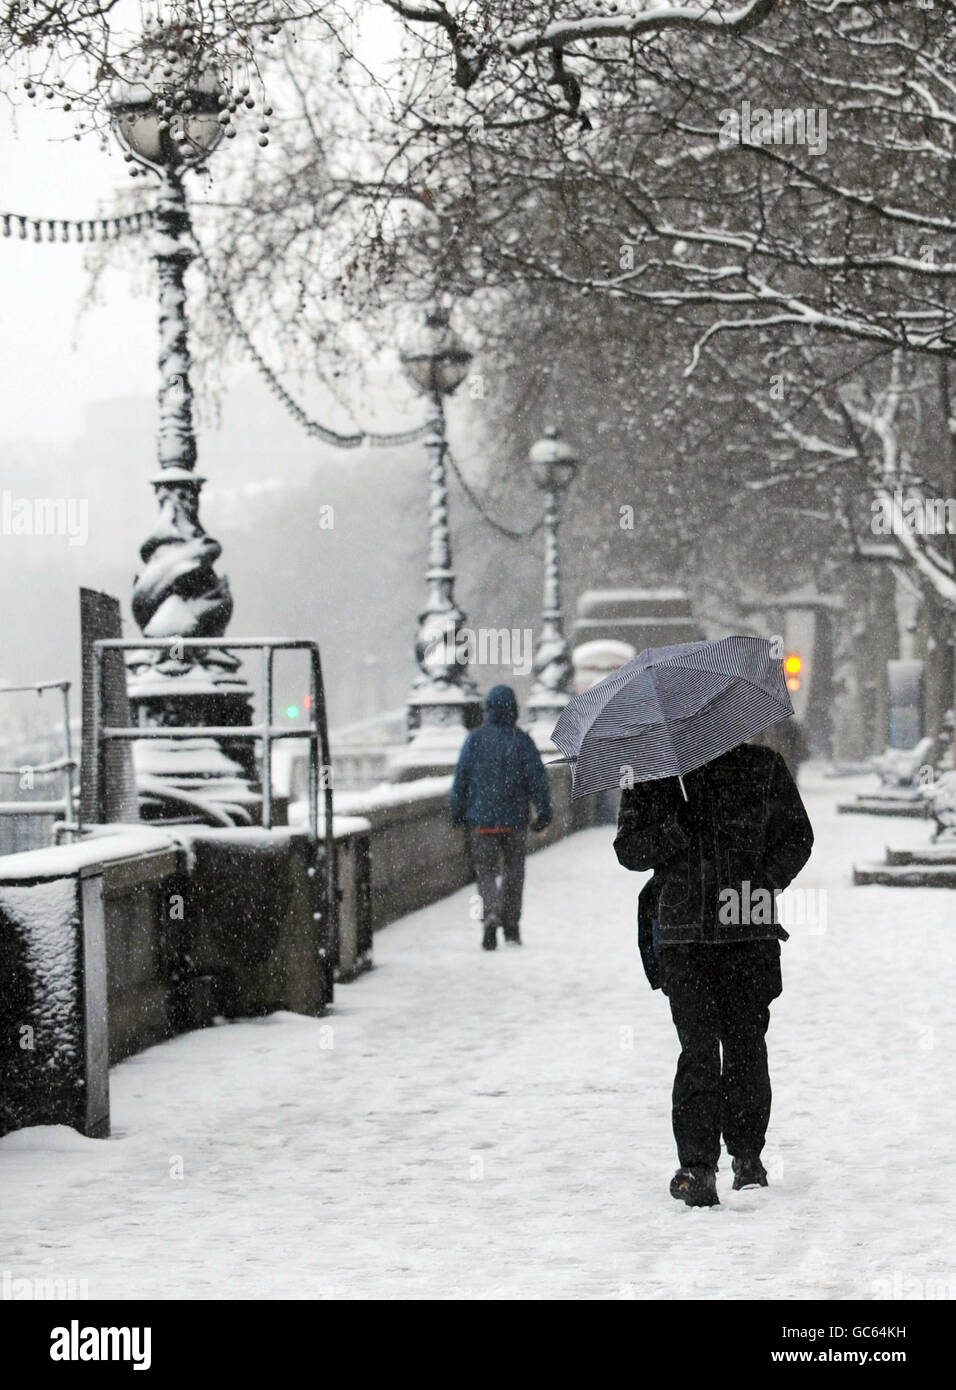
x=720, y=857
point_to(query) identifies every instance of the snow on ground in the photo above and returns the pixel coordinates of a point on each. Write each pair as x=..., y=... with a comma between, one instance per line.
x=497, y=1125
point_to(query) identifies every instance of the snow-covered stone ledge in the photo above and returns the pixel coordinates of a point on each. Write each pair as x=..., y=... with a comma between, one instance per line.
x=139, y=933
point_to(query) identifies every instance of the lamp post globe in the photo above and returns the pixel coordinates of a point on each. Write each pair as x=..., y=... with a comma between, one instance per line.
x=167, y=117
x=553, y=464
x=552, y=461
x=444, y=702
x=434, y=358
x=168, y=121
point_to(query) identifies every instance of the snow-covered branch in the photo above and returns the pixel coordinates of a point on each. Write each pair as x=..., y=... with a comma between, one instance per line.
x=653, y=21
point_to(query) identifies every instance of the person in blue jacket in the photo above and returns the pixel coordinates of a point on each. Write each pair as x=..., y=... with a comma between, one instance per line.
x=499, y=776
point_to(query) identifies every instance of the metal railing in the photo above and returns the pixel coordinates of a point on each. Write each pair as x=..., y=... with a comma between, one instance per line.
x=317, y=734
x=65, y=805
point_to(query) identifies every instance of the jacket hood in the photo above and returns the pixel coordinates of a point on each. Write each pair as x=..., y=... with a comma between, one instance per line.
x=501, y=706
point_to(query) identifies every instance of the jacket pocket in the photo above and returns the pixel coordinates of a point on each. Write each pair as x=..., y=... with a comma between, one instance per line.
x=740, y=850
x=675, y=888
x=744, y=831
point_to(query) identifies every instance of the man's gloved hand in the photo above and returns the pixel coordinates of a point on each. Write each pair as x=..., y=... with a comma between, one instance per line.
x=541, y=824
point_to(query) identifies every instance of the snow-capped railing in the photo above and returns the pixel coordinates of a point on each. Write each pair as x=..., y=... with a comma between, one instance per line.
x=65, y=806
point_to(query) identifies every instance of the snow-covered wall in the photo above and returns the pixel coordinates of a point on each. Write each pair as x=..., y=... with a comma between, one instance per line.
x=111, y=945
x=51, y=1024
x=418, y=856
x=130, y=937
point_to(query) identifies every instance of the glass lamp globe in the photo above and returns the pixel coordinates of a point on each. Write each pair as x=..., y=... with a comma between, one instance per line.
x=165, y=120
x=434, y=358
x=552, y=461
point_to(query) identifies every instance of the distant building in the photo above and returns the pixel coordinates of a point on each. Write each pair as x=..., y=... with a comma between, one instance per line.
x=639, y=617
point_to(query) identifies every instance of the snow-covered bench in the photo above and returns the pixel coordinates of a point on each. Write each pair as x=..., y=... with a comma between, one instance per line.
x=941, y=795
x=900, y=767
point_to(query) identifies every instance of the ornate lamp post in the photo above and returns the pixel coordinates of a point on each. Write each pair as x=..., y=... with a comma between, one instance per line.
x=553, y=465
x=170, y=119
x=444, y=702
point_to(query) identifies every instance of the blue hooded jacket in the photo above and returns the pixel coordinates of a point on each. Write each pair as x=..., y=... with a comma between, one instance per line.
x=499, y=771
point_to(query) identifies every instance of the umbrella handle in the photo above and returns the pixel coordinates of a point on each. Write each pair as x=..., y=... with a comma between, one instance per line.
x=682, y=787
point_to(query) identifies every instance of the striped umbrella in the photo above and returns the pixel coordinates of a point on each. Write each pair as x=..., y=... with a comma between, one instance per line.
x=671, y=710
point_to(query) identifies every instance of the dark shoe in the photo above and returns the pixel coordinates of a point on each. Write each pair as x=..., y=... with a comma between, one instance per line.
x=749, y=1172
x=512, y=936
x=696, y=1186
x=489, y=941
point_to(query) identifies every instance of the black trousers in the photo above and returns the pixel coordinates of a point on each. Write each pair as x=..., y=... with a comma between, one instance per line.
x=500, y=855
x=719, y=995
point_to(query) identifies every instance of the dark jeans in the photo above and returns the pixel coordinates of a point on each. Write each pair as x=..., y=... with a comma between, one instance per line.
x=500, y=855
x=719, y=996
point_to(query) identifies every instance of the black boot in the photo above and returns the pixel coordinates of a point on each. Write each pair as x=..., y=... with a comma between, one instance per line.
x=749, y=1172
x=489, y=941
x=696, y=1186
x=512, y=936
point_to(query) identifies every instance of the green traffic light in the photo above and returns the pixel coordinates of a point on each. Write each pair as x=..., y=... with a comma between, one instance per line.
x=293, y=711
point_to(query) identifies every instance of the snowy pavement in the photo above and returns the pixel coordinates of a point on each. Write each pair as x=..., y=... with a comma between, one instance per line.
x=497, y=1125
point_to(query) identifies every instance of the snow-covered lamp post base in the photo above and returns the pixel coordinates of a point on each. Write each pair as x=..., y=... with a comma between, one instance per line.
x=542, y=716
x=215, y=771
x=440, y=718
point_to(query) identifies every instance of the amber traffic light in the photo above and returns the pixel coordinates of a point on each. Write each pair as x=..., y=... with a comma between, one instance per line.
x=793, y=666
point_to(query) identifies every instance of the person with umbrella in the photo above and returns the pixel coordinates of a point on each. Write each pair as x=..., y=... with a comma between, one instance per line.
x=723, y=827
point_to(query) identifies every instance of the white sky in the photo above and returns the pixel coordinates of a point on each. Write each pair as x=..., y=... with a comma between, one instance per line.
x=53, y=361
